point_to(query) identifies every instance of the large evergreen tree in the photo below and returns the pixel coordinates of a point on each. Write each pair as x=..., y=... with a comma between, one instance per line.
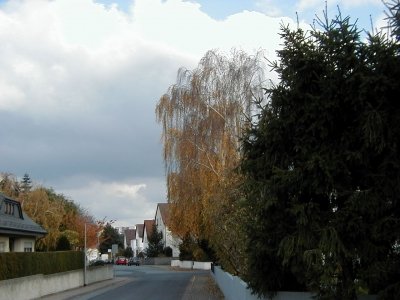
x=26, y=184
x=322, y=167
x=108, y=237
x=155, y=246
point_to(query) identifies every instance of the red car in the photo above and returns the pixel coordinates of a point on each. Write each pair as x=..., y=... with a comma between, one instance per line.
x=121, y=261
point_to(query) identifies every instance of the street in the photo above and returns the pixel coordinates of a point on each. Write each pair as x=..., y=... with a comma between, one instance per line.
x=150, y=282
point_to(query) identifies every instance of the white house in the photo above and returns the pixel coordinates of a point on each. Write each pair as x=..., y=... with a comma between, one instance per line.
x=162, y=219
x=18, y=232
x=129, y=238
x=147, y=231
x=139, y=240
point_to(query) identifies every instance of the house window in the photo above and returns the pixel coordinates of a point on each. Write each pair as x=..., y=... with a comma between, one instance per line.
x=27, y=246
x=2, y=247
x=9, y=208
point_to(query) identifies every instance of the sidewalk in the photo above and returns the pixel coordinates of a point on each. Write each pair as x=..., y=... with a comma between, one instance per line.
x=202, y=287
x=81, y=291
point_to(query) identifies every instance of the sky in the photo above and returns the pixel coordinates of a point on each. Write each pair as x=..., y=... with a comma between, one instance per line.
x=80, y=80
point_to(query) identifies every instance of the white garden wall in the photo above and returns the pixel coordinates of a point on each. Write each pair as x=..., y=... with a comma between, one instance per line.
x=234, y=288
x=188, y=264
x=36, y=286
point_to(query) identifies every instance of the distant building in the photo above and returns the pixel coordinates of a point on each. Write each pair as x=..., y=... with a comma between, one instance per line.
x=121, y=229
x=18, y=233
x=130, y=238
x=139, y=240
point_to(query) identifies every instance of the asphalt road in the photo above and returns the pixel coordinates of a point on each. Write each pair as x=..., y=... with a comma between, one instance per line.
x=152, y=283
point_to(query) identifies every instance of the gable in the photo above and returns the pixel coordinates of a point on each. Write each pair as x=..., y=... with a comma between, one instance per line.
x=148, y=227
x=163, y=208
x=139, y=230
x=130, y=234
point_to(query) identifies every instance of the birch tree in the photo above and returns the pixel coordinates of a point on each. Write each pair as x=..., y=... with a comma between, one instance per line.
x=203, y=116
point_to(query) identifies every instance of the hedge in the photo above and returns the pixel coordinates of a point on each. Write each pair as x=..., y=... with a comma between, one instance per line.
x=20, y=264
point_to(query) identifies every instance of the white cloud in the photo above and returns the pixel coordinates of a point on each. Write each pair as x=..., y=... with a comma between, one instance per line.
x=79, y=82
x=178, y=24
x=182, y=25
x=303, y=5
x=78, y=87
x=91, y=25
x=11, y=97
x=126, y=202
x=58, y=58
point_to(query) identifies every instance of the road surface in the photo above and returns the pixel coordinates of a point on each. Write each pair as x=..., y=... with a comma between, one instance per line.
x=150, y=283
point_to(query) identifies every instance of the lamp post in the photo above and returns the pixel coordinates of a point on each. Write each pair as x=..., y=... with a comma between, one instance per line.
x=85, y=261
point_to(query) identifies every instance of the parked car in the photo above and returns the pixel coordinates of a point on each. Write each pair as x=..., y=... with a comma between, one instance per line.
x=97, y=262
x=121, y=261
x=134, y=261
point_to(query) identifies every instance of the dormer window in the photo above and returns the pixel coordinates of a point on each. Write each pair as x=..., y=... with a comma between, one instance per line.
x=12, y=208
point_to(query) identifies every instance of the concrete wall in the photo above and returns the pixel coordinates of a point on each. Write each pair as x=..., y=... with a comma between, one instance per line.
x=96, y=274
x=36, y=286
x=156, y=261
x=185, y=264
x=234, y=288
x=175, y=263
x=188, y=264
x=199, y=265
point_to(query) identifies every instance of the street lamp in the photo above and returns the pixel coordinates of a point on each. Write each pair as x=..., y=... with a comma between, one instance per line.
x=85, y=253
x=85, y=261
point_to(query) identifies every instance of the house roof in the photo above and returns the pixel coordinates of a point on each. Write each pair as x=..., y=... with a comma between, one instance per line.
x=148, y=226
x=139, y=230
x=130, y=234
x=164, y=211
x=13, y=221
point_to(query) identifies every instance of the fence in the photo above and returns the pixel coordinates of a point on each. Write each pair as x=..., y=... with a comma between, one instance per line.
x=156, y=261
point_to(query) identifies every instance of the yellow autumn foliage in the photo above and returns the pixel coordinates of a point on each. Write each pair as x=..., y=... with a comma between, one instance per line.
x=203, y=116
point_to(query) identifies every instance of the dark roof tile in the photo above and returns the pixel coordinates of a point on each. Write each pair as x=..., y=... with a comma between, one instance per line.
x=14, y=221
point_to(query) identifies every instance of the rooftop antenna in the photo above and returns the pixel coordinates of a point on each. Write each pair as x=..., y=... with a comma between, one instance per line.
x=372, y=25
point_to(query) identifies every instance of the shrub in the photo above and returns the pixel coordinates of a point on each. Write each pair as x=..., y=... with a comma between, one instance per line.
x=21, y=264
